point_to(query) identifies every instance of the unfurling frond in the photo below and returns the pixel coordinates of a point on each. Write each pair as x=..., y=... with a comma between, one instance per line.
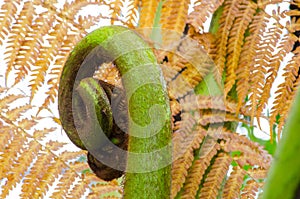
x=248, y=44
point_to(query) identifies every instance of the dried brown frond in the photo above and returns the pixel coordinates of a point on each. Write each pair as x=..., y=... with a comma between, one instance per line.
x=248, y=53
x=286, y=91
x=108, y=72
x=201, y=12
x=133, y=14
x=184, y=146
x=205, y=40
x=196, y=60
x=197, y=170
x=7, y=12
x=147, y=14
x=234, y=183
x=29, y=51
x=216, y=116
x=116, y=7
x=186, y=124
x=19, y=167
x=250, y=190
x=246, y=11
x=190, y=61
x=251, y=152
x=284, y=47
x=257, y=173
x=173, y=20
x=230, y=10
x=196, y=102
x=217, y=173
x=265, y=50
x=15, y=40
x=105, y=189
x=55, y=71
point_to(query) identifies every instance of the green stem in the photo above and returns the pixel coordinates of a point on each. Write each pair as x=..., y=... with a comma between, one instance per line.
x=284, y=175
x=148, y=171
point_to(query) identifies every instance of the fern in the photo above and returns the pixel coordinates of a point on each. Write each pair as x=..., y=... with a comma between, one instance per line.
x=246, y=48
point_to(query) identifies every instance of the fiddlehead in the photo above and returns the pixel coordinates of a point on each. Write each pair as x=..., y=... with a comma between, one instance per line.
x=149, y=124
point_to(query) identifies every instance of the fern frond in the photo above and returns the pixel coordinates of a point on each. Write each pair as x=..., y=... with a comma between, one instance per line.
x=191, y=63
x=48, y=178
x=26, y=123
x=78, y=190
x=196, y=102
x=148, y=10
x=186, y=144
x=173, y=19
x=201, y=12
x=251, y=152
x=197, y=170
x=15, y=113
x=10, y=150
x=258, y=70
x=234, y=183
x=133, y=14
x=101, y=189
x=226, y=21
x=248, y=53
x=7, y=12
x=236, y=38
x=250, y=190
x=286, y=91
x=41, y=134
x=257, y=173
x=216, y=116
x=55, y=71
x=109, y=73
x=5, y=138
x=31, y=181
x=66, y=180
x=19, y=167
x=5, y=101
x=179, y=87
x=16, y=39
x=187, y=122
x=213, y=181
x=284, y=47
x=197, y=62
x=70, y=155
x=30, y=49
x=116, y=7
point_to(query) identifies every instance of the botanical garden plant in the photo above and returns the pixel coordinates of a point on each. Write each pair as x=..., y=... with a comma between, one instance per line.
x=216, y=64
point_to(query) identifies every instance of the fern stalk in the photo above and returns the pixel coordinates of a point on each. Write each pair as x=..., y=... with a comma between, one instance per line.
x=284, y=175
x=148, y=171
